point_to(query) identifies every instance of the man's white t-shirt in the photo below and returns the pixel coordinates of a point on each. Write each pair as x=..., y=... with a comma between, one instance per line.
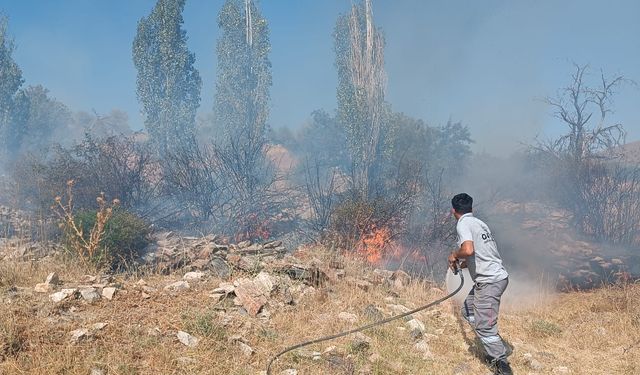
x=485, y=265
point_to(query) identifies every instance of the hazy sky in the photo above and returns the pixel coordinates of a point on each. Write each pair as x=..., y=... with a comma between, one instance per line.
x=485, y=63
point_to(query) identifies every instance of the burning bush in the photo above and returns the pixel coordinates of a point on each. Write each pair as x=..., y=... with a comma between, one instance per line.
x=365, y=227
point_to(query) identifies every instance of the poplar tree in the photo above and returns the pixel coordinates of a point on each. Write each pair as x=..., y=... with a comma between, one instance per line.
x=241, y=109
x=168, y=84
x=10, y=82
x=362, y=110
x=244, y=78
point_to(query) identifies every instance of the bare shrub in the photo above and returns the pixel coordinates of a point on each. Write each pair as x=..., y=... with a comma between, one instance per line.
x=321, y=190
x=116, y=166
x=192, y=178
x=84, y=245
x=257, y=196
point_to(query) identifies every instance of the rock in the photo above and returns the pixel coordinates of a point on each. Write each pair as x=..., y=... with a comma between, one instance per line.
x=249, y=263
x=380, y=276
x=360, y=342
x=193, y=276
x=264, y=314
x=265, y=282
x=310, y=275
x=250, y=296
x=305, y=353
x=373, y=313
x=187, y=340
x=398, y=309
x=329, y=349
x=149, y=289
x=245, y=349
x=79, y=334
x=272, y=244
x=348, y=317
x=462, y=368
x=52, y=279
x=400, y=279
x=289, y=371
x=49, y=284
x=423, y=347
x=108, y=293
x=532, y=362
x=253, y=248
x=185, y=361
x=219, y=268
x=217, y=297
x=375, y=357
x=63, y=294
x=617, y=262
x=243, y=244
x=98, y=326
x=416, y=334
x=178, y=286
x=97, y=371
x=415, y=324
x=43, y=288
x=224, y=288
x=89, y=294
x=364, y=285
x=86, y=279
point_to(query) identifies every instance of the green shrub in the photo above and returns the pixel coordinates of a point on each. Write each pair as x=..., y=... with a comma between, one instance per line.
x=544, y=328
x=125, y=235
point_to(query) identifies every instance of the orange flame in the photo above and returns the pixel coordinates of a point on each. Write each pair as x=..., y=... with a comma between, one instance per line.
x=372, y=244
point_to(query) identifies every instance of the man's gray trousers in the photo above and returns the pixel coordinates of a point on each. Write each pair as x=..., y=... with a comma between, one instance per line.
x=480, y=309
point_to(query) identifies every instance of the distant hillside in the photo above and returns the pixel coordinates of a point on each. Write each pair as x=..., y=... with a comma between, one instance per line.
x=631, y=152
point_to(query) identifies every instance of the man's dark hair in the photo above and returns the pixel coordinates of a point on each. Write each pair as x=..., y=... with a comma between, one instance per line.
x=462, y=203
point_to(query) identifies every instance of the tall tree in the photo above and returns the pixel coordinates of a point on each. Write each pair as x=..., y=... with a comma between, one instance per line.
x=241, y=111
x=168, y=83
x=37, y=117
x=244, y=76
x=362, y=109
x=10, y=81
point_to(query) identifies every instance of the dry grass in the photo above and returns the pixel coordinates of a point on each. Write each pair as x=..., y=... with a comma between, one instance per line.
x=590, y=333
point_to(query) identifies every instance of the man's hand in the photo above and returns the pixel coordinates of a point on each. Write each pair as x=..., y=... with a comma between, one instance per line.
x=452, y=261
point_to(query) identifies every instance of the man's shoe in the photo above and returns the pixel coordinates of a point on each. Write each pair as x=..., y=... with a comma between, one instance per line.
x=502, y=367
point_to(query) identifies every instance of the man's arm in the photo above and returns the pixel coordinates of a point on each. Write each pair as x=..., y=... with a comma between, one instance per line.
x=466, y=250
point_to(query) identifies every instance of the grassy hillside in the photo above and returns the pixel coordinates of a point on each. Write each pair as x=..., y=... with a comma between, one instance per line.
x=595, y=332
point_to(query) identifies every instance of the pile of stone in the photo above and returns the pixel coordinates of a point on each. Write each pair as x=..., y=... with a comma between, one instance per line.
x=170, y=251
x=89, y=289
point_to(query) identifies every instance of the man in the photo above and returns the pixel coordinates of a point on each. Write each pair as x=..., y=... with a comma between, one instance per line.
x=478, y=251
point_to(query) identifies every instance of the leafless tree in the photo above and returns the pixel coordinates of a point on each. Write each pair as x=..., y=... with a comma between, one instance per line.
x=191, y=176
x=321, y=190
x=587, y=176
x=584, y=109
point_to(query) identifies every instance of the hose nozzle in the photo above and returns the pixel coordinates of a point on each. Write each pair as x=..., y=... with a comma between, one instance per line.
x=456, y=267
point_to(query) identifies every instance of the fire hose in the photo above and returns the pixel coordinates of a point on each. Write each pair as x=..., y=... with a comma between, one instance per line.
x=456, y=270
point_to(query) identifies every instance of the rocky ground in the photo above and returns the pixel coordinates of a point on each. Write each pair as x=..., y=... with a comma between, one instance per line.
x=201, y=305
x=214, y=308
x=539, y=240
